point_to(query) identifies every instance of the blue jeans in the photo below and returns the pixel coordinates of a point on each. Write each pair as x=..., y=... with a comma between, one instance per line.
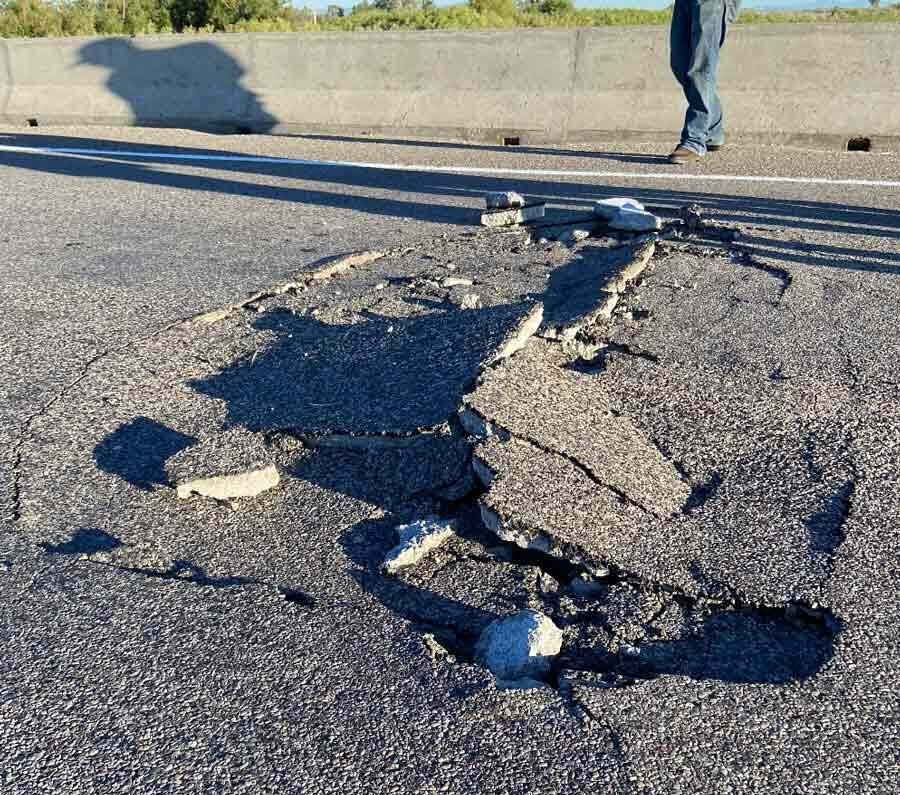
x=697, y=34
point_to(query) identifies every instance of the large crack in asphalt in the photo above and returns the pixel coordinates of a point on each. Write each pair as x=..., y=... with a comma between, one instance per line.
x=620, y=627
x=792, y=640
x=584, y=600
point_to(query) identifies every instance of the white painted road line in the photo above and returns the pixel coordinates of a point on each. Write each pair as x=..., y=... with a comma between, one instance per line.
x=510, y=172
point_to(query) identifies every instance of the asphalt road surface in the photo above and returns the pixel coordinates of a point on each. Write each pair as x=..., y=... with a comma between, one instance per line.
x=700, y=489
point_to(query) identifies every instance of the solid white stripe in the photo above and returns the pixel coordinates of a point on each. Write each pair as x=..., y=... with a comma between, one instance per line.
x=519, y=172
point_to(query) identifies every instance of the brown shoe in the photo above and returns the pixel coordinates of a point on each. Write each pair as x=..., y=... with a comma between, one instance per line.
x=683, y=155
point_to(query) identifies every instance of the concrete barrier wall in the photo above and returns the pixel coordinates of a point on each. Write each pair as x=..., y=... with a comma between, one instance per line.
x=827, y=82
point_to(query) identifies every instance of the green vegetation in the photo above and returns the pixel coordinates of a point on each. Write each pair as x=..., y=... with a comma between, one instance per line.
x=30, y=18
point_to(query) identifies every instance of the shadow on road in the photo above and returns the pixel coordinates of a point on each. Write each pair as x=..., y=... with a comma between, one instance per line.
x=387, y=375
x=543, y=151
x=451, y=198
x=84, y=541
x=137, y=451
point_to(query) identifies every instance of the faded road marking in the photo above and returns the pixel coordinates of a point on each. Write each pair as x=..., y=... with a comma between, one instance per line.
x=521, y=172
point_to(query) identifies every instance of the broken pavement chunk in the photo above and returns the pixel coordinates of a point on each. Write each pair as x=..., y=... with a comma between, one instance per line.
x=519, y=336
x=513, y=216
x=342, y=264
x=629, y=220
x=538, y=494
x=455, y=281
x=574, y=236
x=232, y=465
x=564, y=411
x=692, y=217
x=520, y=647
x=503, y=200
x=417, y=540
x=608, y=208
x=465, y=299
x=581, y=293
x=638, y=264
x=436, y=650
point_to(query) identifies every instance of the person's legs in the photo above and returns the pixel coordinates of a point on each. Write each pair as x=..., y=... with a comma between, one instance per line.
x=680, y=40
x=697, y=33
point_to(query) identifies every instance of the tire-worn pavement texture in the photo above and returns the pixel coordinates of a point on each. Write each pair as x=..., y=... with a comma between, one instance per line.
x=700, y=490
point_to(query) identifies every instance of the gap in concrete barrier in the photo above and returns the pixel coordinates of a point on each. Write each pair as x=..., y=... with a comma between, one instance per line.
x=859, y=145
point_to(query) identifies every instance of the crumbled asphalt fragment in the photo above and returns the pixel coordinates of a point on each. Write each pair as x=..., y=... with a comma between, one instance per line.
x=232, y=465
x=417, y=540
x=503, y=200
x=692, y=217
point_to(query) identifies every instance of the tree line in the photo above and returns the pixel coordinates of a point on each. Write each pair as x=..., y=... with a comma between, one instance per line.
x=35, y=18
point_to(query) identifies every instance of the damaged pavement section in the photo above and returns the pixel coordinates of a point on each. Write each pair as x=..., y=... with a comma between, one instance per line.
x=536, y=398
x=378, y=386
x=535, y=619
x=587, y=289
x=570, y=484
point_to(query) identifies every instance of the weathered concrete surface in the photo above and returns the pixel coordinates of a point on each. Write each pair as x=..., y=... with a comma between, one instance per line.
x=537, y=85
x=151, y=644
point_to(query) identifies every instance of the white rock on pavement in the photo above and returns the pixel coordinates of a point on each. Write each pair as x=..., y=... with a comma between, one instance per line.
x=627, y=220
x=417, y=540
x=513, y=215
x=456, y=281
x=465, y=299
x=519, y=647
x=607, y=208
x=503, y=200
x=574, y=235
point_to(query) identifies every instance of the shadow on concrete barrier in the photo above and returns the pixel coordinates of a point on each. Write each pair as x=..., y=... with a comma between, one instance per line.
x=158, y=82
x=190, y=86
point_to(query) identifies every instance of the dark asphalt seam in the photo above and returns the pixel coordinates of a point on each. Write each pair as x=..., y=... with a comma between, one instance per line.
x=189, y=573
x=745, y=258
x=349, y=440
x=26, y=428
